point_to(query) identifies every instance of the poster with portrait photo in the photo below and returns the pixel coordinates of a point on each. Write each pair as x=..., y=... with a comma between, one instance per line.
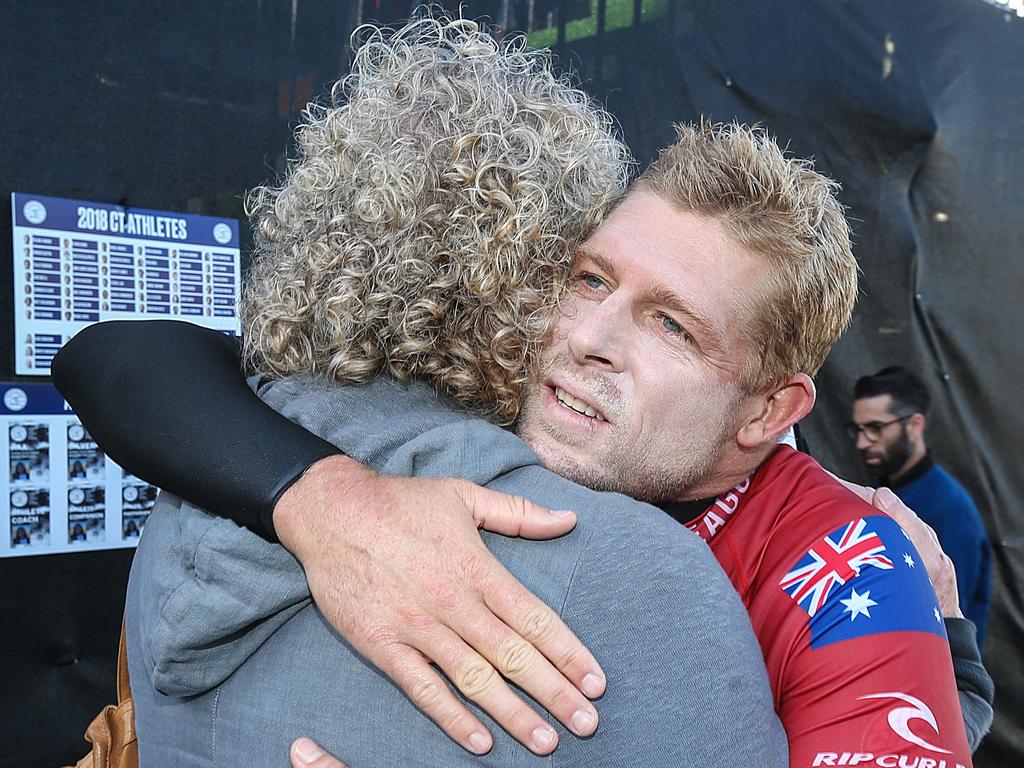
x=30, y=518
x=86, y=514
x=85, y=459
x=29, y=450
x=137, y=500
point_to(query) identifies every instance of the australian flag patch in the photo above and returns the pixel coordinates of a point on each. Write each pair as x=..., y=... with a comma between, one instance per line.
x=863, y=578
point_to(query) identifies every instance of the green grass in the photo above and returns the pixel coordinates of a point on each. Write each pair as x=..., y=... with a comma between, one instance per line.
x=618, y=15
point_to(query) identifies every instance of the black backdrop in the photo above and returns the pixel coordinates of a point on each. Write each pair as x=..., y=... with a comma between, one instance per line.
x=917, y=108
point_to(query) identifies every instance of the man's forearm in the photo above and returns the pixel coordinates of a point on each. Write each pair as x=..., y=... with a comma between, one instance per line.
x=186, y=420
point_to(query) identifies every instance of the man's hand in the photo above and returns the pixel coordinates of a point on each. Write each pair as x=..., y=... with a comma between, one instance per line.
x=398, y=567
x=939, y=566
x=306, y=753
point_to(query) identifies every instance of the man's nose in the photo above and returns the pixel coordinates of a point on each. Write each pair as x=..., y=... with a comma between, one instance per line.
x=598, y=334
x=862, y=442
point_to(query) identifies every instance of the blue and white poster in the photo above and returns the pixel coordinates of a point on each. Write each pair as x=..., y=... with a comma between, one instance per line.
x=59, y=492
x=78, y=262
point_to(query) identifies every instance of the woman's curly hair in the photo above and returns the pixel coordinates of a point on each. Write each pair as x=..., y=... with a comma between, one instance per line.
x=427, y=226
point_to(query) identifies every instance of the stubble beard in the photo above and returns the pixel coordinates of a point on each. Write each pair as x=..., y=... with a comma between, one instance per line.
x=638, y=474
x=654, y=471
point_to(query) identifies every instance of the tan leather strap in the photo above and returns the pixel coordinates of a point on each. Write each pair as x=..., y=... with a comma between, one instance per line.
x=124, y=688
x=112, y=731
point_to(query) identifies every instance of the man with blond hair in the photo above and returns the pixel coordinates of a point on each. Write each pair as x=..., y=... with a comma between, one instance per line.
x=695, y=315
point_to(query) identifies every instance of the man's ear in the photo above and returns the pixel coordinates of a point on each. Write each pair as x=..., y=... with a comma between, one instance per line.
x=782, y=407
x=916, y=425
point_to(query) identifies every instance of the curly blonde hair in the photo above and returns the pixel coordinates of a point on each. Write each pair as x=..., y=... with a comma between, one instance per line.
x=427, y=226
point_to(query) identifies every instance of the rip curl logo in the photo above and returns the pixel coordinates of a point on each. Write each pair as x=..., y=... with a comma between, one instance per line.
x=901, y=717
x=899, y=720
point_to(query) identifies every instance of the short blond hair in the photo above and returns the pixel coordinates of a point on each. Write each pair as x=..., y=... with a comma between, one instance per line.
x=780, y=208
x=427, y=227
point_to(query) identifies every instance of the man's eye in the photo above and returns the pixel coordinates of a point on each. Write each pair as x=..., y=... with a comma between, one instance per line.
x=593, y=282
x=673, y=327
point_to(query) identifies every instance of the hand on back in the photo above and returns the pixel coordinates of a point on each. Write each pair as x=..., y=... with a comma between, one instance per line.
x=937, y=563
x=398, y=567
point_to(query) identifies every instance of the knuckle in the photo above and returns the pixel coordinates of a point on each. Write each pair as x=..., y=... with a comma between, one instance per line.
x=538, y=624
x=426, y=693
x=573, y=656
x=444, y=593
x=471, y=566
x=393, y=660
x=564, y=696
x=461, y=489
x=517, y=658
x=414, y=618
x=518, y=506
x=380, y=635
x=454, y=720
x=476, y=678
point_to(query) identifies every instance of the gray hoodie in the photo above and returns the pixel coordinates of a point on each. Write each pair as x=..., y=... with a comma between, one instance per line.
x=230, y=660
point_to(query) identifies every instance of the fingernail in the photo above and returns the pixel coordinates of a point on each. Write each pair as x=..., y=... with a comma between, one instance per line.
x=583, y=722
x=542, y=738
x=479, y=743
x=307, y=750
x=592, y=685
x=561, y=512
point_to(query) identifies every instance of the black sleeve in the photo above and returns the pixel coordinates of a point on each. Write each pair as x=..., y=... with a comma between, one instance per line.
x=975, y=686
x=168, y=402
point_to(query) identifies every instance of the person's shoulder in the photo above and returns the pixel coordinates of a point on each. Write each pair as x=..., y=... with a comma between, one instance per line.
x=634, y=561
x=838, y=558
x=653, y=604
x=607, y=521
x=635, y=548
x=399, y=428
x=641, y=527
x=803, y=496
x=953, y=490
x=795, y=469
x=313, y=397
x=805, y=520
x=617, y=539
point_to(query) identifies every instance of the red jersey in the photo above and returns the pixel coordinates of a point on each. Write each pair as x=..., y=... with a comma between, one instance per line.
x=846, y=617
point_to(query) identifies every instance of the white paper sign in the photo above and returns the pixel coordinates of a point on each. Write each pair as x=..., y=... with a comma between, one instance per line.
x=77, y=263
x=60, y=493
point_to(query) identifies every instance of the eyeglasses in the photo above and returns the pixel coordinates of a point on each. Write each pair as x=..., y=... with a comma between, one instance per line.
x=872, y=430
